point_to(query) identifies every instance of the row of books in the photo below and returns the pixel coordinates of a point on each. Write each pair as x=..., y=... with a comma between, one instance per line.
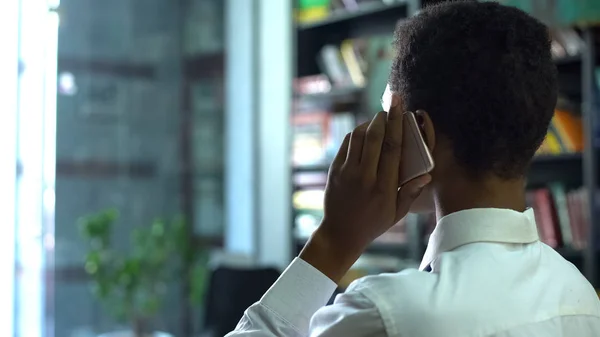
x=360, y=63
x=565, y=134
x=562, y=216
x=364, y=64
x=308, y=206
x=566, y=42
x=308, y=11
x=345, y=65
x=317, y=136
x=355, y=66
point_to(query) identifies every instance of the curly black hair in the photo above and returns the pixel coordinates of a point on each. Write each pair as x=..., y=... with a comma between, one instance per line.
x=485, y=75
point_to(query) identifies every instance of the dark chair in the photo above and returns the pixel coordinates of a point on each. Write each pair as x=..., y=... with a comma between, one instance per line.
x=230, y=292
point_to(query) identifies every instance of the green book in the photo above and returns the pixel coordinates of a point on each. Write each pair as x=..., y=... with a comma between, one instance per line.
x=560, y=203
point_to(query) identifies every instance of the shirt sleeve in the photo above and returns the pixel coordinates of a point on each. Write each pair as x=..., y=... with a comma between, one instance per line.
x=295, y=307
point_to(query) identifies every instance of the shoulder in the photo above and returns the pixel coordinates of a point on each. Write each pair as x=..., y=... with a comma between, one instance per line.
x=410, y=287
x=574, y=292
x=404, y=279
x=402, y=299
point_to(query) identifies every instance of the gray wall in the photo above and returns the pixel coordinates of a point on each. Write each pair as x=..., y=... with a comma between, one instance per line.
x=119, y=120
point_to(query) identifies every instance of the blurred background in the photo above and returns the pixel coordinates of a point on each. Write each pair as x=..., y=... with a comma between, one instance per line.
x=163, y=160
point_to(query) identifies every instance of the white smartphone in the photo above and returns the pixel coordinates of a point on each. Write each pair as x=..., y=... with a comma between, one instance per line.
x=416, y=157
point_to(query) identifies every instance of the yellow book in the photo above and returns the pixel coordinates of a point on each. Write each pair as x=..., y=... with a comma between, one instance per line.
x=347, y=50
x=312, y=14
x=553, y=143
x=550, y=146
x=569, y=129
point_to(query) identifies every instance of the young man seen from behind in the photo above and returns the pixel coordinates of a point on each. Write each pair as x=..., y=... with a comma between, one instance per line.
x=483, y=82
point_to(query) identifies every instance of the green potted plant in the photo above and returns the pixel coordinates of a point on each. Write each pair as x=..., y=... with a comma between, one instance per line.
x=132, y=284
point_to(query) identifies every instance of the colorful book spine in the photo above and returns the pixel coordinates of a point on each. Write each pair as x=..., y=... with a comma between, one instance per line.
x=569, y=130
x=545, y=217
x=562, y=210
x=352, y=63
x=331, y=63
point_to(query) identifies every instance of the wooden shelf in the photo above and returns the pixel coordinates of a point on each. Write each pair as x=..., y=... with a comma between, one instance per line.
x=566, y=168
x=558, y=158
x=373, y=12
x=568, y=60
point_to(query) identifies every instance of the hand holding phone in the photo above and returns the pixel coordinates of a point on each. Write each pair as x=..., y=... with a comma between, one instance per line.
x=362, y=199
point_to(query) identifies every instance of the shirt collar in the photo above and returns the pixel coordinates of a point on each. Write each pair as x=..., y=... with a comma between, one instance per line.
x=480, y=225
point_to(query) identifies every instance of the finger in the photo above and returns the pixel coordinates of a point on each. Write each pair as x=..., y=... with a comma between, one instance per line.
x=372, y=144
x=391, y=150
x=340, y=157
x=356, y=144
x=408, y=193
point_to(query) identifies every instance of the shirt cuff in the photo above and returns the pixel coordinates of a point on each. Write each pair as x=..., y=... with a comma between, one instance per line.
x=298, y=293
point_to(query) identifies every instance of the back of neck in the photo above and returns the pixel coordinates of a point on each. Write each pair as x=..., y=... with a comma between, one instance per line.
x=462, y=192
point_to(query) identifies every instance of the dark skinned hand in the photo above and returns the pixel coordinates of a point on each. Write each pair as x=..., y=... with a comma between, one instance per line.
x=362, y=199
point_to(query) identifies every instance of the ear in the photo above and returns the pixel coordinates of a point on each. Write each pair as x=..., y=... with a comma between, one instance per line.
x=427, y=128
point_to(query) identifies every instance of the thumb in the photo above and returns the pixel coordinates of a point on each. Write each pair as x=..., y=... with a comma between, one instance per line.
x=408, y=193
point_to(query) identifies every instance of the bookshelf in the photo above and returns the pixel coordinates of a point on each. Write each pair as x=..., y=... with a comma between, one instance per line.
x=366, y=14
x=590, y=163
x=578, y=83
x=373, y=19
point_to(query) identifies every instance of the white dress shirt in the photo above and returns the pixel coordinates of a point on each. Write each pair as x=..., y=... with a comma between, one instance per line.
x=490, y=276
